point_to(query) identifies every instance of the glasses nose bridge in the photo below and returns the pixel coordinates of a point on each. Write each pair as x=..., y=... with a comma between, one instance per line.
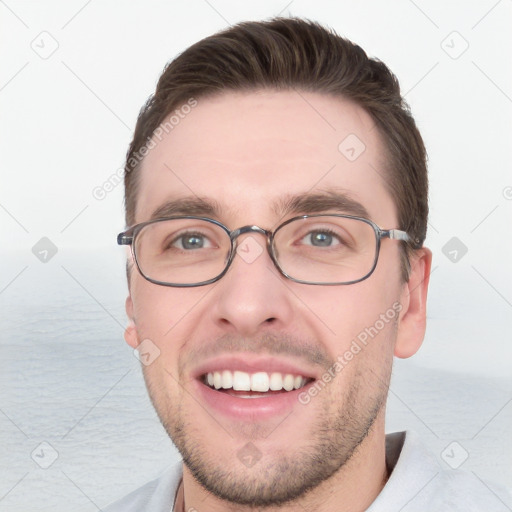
x=250, y=229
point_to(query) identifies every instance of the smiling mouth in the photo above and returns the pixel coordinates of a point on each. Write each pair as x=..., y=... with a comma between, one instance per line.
x=253, y=385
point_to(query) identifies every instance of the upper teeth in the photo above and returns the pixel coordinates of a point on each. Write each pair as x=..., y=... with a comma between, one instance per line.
x=260, y=381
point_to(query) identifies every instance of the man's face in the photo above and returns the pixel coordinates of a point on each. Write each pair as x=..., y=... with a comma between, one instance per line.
x=247, y=154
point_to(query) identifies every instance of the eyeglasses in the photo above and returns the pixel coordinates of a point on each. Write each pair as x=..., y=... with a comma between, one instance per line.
x=318, y=249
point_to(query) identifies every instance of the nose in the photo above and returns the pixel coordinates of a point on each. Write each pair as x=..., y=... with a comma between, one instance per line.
x=252, y=295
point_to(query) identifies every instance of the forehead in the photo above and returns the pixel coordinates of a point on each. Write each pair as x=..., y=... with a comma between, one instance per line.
x=248, y=152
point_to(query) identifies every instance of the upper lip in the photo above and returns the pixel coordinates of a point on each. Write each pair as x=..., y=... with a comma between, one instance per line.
x=252, y=364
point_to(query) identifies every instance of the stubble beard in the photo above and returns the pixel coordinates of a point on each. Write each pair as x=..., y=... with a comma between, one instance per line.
x=340, y=427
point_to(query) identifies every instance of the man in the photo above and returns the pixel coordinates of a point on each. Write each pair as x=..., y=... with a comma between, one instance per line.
x=276, y=198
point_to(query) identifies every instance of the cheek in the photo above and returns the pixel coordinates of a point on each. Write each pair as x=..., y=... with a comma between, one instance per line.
x=356, y=315
x=169, y=317
x=364, y=355
x=157, y=312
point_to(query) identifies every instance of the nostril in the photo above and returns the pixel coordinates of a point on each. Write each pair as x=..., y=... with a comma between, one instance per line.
x=270, y=320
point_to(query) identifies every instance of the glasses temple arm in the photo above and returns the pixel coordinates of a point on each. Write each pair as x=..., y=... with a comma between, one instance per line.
x=397, y=234
x=124, y=239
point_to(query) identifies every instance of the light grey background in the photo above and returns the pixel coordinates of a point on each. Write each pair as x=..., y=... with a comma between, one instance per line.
x=66, y=376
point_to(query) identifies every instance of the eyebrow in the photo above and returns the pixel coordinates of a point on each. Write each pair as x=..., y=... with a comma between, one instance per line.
x=187, y=206
x=299, y=204
x=330, y=200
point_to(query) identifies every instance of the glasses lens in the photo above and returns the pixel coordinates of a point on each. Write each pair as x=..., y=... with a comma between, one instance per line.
x=326, y=249
x=182, y=251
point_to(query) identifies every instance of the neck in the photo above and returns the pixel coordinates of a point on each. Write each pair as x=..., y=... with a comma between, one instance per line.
x=353, y=488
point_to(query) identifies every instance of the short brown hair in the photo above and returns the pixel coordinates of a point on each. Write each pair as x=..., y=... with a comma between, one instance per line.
x=295, y=54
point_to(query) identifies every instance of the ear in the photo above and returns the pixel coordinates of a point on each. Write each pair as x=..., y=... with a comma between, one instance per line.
x=411, y=329
x=130, y=333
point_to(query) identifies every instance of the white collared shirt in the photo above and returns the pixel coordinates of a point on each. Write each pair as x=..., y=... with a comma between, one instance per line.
x=417, y=484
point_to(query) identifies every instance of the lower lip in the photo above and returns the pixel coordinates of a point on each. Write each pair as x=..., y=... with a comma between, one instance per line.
x=249, y=409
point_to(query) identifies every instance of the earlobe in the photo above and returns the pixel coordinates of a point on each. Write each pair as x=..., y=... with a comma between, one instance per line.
x=130, y=333
x=411, y=329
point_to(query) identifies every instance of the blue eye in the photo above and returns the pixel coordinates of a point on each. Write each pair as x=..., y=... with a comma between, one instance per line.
x=323, y=238
x=191, y=241
x=320, y=239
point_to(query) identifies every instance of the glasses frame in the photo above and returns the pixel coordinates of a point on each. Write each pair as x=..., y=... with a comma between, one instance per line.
x=129, y=236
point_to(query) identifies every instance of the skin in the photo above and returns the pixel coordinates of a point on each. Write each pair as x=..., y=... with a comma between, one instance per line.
x=245, y=150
